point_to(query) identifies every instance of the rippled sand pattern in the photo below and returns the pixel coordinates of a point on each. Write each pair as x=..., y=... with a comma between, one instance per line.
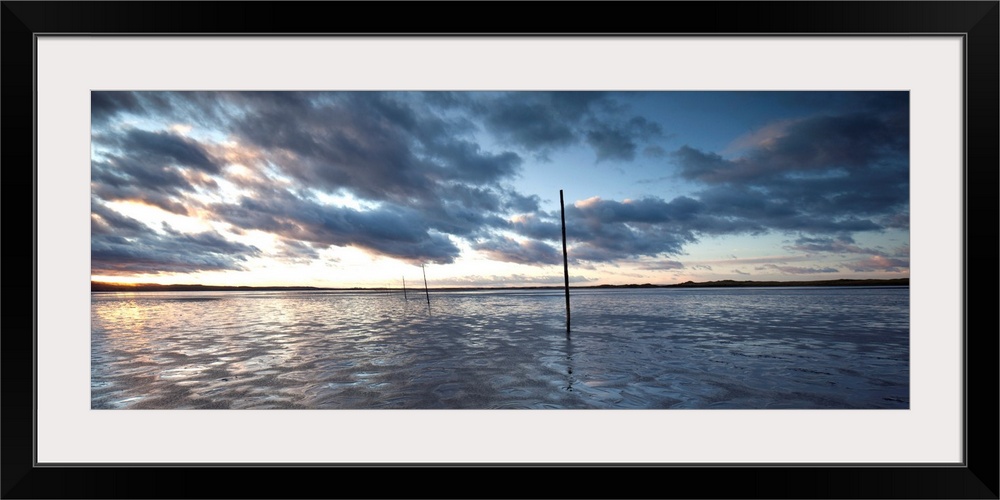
x=708, y=348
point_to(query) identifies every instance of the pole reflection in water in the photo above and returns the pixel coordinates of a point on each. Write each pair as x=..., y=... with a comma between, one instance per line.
x=569, y=363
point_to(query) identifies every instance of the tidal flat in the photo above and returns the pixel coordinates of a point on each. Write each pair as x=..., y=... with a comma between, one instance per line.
x=696, y=348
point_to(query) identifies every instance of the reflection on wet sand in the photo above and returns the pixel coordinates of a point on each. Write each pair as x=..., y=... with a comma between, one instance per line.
x=779, y=348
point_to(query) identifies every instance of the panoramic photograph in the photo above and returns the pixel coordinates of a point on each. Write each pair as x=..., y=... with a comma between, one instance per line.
x=493, y=250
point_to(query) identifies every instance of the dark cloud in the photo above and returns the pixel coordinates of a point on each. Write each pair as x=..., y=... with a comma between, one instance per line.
x=121, y=246
x=841, y=245
x=619, y=142
x=645, y=210
x=774, y=259
x=109, y=106
x=611, y=144
x=529, y=252
x=879, y=263
x=826, y=206
x=104, y=105
x=533, y=126
x=703, y=166
x=106, y=222
x=537, y=227
x=388, y=231
x=819, y=175
x=166, y=149
x=541, y=122
x=472, y=212
x=383, y=147
x=806, y=147
x=519, y=203
x=897, y=221
x=342, y=146
x=158, y=169
x=606, y=230
x=119, y=192
x=667, y=265
x=296, y=251
x=797, y=270
x=467, y=162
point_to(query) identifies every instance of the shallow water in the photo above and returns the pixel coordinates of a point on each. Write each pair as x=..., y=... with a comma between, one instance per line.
x=821, y=347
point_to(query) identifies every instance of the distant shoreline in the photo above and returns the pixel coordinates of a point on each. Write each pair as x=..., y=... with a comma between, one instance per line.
x=96, y=286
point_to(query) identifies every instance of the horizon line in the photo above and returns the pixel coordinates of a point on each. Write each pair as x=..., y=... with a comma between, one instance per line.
x=114, y=286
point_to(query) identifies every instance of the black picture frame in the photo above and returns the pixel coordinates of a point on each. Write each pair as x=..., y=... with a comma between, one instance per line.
x=978, y=22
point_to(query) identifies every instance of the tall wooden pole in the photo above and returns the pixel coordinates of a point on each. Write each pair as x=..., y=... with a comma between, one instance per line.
x=562, y=209
x=426, y=292
x=404, y=289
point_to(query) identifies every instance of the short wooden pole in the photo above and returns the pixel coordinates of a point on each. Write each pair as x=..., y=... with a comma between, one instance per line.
x=426, y=292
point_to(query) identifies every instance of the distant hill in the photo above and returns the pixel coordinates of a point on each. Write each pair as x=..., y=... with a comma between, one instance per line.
x=96, y=286
x=843, y=282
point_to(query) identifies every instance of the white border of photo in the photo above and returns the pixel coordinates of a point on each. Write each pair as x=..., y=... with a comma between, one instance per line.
x=929, y=432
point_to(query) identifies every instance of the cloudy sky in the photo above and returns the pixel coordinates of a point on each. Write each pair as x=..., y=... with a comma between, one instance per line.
x=361, y=188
